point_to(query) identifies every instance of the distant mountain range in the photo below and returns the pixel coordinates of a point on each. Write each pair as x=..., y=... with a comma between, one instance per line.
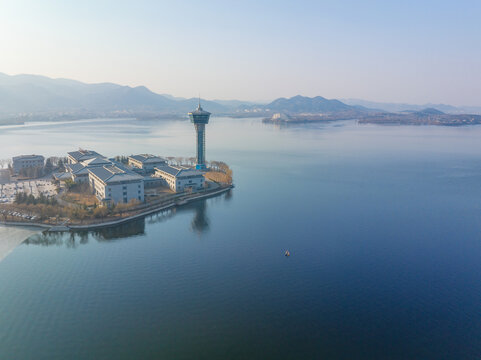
x=39, y=94
x=35, y=97
x=233, y=104
x=398, y=107
x=304, y=104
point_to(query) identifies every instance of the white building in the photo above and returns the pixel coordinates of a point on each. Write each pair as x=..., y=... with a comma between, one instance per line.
x=281, y=117
x=181, y=178
x=113, y=184
x=146, y=162
x=27, y=161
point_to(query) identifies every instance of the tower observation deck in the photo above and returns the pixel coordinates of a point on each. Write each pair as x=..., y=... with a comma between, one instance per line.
x=200, y=118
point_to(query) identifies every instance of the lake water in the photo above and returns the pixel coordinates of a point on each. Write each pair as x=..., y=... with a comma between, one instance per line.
x=383, y=225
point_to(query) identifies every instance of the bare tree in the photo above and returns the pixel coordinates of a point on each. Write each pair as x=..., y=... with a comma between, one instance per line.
x=179, y=160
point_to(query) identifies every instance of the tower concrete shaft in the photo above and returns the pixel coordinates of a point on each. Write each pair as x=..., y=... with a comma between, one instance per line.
x=200, y=129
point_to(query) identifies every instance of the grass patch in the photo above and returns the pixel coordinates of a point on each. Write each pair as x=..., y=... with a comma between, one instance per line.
x=218, y=177
x=81, y=199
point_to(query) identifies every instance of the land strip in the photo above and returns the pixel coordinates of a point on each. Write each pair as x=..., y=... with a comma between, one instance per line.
x=132, y=214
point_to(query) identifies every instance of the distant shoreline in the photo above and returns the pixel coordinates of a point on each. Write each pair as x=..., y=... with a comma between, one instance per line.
x=62, y=120
x=421, y=118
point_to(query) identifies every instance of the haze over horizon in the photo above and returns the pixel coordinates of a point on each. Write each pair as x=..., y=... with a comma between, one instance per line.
x=377, y=51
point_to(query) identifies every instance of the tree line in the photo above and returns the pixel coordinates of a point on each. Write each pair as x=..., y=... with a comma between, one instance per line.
x=23, y=198
x=82, y=212
x=46, y=208
x=224, y=169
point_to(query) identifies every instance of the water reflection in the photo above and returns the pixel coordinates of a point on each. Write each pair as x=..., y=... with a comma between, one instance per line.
x=128, y=229
x=228, y=195
x=200, y=221
x=200, y=224
x=52, y=239
x=75, y=238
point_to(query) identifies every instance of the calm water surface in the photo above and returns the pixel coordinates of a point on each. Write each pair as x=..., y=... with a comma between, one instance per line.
x=383, y=225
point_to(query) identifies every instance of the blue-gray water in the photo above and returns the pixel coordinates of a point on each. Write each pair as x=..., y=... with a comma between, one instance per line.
x=383, y=225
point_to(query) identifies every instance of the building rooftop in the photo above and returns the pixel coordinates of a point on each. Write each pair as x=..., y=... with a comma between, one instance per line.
x=27, y=157
x=147, y=158
x=82, y=155
x=179, y=171
x=96, y=161
x=75, y=168
x=113, y=173
x=62, y=176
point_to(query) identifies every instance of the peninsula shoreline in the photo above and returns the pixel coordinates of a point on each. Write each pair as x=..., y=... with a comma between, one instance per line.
x=110, y=222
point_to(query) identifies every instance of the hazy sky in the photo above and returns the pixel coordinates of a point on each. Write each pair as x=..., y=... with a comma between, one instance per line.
x=399, y=51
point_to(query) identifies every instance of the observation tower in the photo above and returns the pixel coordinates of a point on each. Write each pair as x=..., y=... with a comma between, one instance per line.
x=200, y=118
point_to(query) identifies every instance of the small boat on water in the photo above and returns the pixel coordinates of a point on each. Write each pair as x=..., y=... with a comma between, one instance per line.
x=287, y=253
